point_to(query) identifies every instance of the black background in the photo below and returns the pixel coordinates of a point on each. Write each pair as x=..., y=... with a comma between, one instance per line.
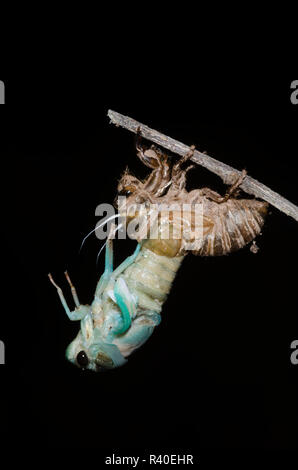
x=216, y=375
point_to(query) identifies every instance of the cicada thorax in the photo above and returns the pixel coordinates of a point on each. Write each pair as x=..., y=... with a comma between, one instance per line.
x=229, y=225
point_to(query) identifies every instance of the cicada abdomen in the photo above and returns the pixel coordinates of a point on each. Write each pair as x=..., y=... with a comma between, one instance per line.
x=228, y=225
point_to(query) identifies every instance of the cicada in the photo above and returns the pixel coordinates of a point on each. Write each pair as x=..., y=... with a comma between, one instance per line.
x=128, y=300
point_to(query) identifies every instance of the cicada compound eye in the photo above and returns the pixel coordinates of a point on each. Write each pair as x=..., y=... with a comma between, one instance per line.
x=82, y=359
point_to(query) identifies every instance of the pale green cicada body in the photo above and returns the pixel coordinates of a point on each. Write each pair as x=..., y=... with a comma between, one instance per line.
x=125, y=310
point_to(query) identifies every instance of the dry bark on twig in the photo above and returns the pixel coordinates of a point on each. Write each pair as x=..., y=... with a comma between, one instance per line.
x=225, y=172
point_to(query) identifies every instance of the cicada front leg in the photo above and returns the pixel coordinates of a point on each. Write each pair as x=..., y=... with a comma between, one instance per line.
x=127, y=304
x=139, y=332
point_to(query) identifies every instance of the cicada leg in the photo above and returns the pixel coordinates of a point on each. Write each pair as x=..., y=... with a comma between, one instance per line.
x=141, y=329
x=126, y=302
x=120, y=293
x=81, y=310
x=127, y=262
x=233, y=189
x=103, y=281
x=213, y=196
x=73, y=290
x=178, y=177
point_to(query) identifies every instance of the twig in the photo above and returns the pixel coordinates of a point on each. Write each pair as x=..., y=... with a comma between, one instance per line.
x=225, y=172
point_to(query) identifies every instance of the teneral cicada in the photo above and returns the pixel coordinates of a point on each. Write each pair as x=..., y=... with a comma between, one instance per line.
x=128, y=300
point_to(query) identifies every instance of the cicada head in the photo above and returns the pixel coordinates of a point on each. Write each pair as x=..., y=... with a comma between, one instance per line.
x=89, y=351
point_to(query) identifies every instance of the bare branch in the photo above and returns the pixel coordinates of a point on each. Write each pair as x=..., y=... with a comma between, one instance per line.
x=225, y=172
